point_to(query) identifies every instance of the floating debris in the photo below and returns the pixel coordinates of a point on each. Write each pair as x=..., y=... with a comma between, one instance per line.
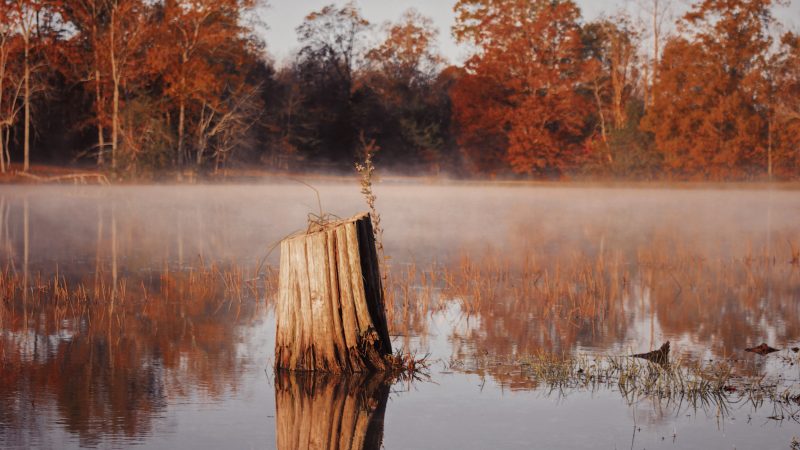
x=762, y=349
x=660, y=356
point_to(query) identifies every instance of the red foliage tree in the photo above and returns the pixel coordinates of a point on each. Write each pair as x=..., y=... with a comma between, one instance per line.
x=708, y=118
x=526, y=77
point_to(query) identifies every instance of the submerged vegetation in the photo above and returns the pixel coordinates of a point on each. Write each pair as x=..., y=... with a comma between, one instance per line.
x=712, y=386
x=596, y=294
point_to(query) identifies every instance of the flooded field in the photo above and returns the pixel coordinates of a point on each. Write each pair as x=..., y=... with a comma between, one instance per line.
x=145, y=316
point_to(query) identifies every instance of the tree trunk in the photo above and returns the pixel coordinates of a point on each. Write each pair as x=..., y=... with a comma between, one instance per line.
x=181, y=119
x=182, y=110
x=769, y=147
x=115, y=75
x=3, y=64
x=656, y=42
x=6, y=146
x=328, y=412
x=115, y=125
x=600, y=112
x=330, y=313
x=27, y=74
x=98, y=97
x=2, y=152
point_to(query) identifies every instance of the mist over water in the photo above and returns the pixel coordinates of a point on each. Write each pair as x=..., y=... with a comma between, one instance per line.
x=499, y=271
x=159, y=224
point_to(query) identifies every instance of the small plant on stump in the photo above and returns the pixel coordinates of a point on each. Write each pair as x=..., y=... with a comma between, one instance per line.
x=366, y=170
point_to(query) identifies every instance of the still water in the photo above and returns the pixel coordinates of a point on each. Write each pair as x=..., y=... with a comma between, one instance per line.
x=142, y=316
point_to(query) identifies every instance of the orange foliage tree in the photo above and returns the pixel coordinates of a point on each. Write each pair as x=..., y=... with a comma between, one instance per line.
x=785, y=125
x=527, y=79
x=707, y=117
x=11, y=81
x=33, y=23
x=107, y=49
x=197, y=64
x=479, y=118
x=165, y=73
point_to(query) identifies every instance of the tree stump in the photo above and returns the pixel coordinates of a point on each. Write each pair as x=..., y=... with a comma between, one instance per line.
x=324, y=411
x=330, y=313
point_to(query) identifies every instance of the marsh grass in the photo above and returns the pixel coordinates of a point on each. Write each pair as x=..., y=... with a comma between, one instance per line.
x=680, y=382
x=537, y=302
x=669, y=283
x=50, y=302
x=408, y=367
x=530, y=302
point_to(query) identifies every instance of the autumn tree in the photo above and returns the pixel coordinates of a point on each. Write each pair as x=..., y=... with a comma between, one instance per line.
x=199, y=62
x=107, y=54
x=616, y=86
x=30, y=20
x=11, y=82
x=614, y=44
x=479, y=121
x=332, y=53
x=87, y=57
x=126, y=39
x=657, y=14
x=408, y=54
x=334, y=38
x=530, y=57
x=784, y=122
x=402, y=73
x=706, y=118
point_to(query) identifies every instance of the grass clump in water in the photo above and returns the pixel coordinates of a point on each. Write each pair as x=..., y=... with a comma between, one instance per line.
x=634, y=378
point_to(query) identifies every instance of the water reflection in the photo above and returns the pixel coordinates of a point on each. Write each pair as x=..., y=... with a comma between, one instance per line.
x=709, y=307
x=331, y=412
x=107, y=365
x=140, y=318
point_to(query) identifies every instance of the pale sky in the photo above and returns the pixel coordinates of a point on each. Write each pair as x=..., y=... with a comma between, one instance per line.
x=283, y=16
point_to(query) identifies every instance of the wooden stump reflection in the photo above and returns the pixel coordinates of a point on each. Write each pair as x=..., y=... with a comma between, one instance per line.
x=324, y=411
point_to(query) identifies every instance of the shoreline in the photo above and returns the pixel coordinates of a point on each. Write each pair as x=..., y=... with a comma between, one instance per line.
x=65, y=175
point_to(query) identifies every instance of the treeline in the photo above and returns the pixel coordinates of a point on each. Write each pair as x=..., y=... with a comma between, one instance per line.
x=146, y=86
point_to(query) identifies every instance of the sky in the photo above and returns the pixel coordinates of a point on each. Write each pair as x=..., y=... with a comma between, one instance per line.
x=283, y=16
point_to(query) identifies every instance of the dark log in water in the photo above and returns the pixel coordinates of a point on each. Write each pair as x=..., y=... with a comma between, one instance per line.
x=762, y=349
x=330, y=313
x=327, y=411
x=660, y=356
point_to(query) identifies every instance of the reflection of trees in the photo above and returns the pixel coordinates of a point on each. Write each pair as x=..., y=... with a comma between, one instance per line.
x=326, y=411
x=537, y=300
x=108, y=367
x=529, y=308
x=727, y=305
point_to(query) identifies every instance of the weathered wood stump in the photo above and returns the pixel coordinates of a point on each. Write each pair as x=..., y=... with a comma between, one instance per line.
x=330, y=313
x=324, y=411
